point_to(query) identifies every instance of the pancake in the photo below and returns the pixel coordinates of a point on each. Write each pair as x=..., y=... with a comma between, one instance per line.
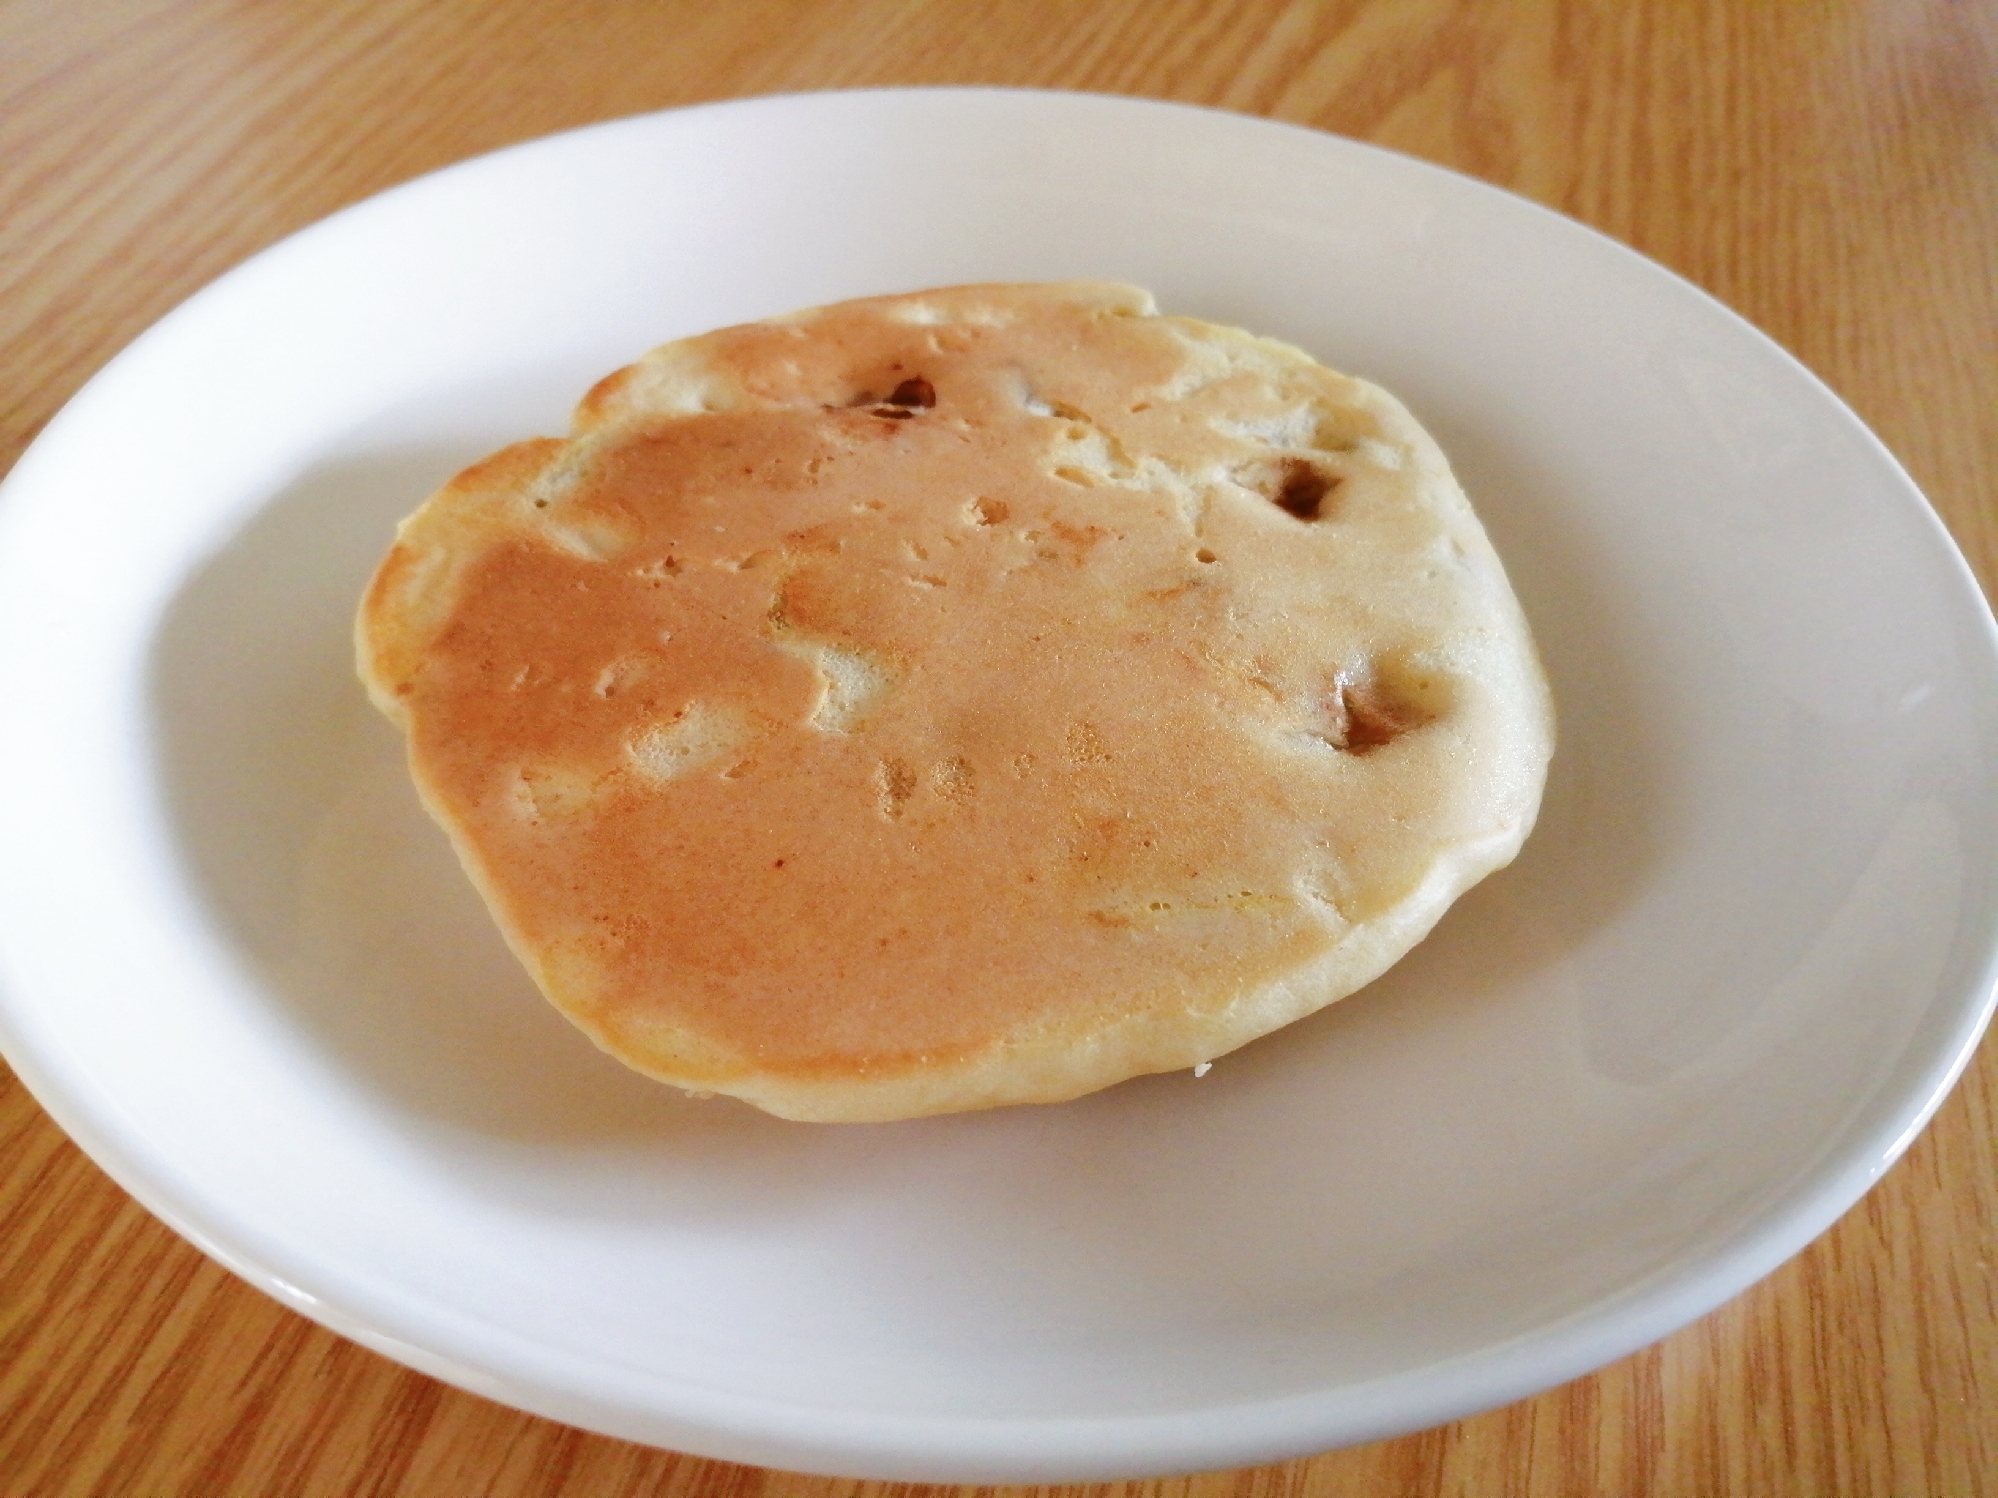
x=973, y=697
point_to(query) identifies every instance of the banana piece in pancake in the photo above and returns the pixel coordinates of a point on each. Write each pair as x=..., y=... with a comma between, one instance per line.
x=973, y=697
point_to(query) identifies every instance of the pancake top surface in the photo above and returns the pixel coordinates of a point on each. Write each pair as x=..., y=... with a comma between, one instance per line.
x=967, y=697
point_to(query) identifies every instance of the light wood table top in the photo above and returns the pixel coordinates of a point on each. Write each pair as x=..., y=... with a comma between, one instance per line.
x=1828, y=169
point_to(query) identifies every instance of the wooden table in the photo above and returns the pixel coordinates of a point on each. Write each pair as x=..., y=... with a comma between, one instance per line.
x=1830, y=170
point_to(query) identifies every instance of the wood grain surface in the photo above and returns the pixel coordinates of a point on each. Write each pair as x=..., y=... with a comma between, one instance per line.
x=1829, y=170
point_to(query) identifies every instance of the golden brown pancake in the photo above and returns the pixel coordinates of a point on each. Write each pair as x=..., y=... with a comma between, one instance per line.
x=974, y=697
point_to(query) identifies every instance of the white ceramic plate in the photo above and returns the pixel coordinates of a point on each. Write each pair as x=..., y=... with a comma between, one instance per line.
x=1733, y=973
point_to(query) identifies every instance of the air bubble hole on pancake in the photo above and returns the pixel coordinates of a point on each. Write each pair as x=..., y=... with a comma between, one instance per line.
x=850, y=683
x=700, y=735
